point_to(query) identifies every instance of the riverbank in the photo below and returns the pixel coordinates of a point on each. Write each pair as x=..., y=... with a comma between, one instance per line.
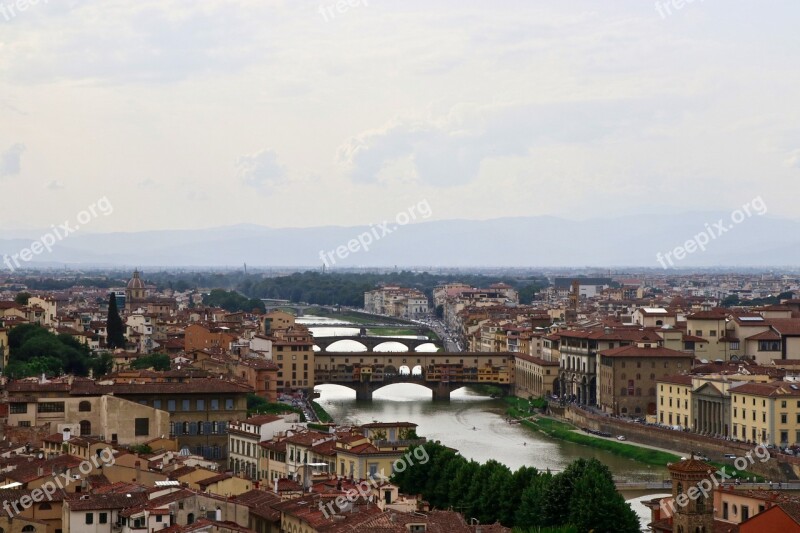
x=357, y=317
x=322, y=415
x=644, y=453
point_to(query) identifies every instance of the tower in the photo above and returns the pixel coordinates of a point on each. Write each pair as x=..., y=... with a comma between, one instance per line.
x=693, y=509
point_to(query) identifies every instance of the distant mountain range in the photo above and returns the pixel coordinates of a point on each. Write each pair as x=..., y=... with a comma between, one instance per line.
x=522, y=241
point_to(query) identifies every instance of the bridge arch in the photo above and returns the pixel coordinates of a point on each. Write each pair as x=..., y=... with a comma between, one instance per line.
x=417, y=370
x=390, y=346
x=427, y=347
x=404, y=370
x=347, y=345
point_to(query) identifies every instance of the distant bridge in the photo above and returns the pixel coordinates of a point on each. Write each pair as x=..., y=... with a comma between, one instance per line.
x=442, y=372
x=271, y=304
x=370, y=343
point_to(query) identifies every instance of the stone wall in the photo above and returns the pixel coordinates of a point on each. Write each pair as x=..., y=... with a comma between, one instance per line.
x=777, y=468
x=23, y=435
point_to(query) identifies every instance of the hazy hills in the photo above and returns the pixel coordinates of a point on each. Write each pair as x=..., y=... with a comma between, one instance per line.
x=525, y=241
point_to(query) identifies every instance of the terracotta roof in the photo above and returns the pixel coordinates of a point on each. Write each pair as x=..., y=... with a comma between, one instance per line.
x=260, y=503
x=713, y=314
x=677, y=379
x=90, y=502
x=768, y=335
x=786, y=326
x=690, y=466
x=772, y=389
x=30, y=471
x=214, y=479
x=536, y=360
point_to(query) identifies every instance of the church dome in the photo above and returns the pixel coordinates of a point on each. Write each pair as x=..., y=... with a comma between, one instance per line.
x=136, y=282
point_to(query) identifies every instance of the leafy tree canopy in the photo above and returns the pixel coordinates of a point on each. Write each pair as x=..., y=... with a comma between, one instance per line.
x=34, y=351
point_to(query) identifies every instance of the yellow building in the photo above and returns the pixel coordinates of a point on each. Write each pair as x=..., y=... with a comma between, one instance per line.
x=675, y=401
x=712, y=326
x=533, y=376
x=361, y=459
x=766, y=413
x=4, y=346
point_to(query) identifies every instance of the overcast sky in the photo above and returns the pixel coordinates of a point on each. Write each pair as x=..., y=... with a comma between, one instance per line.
x=292, y=113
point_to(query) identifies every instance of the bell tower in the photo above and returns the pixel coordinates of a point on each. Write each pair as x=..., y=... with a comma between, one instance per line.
x=694, y=510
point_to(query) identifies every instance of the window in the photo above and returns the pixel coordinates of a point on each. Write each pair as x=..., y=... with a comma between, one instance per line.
x=86, y=428
x=186, y=405
x=18, y=408
x=90, y=518
x=228, y=404
x=45, y=506
x=84, y=407
x=103, y=518
x=171, y=406
x=712, y=333
x=28, y=529
x=201, y=405
x=141, y=428
x=783, y=418
x=215, y=405
x=157, y=404
x=50, y=407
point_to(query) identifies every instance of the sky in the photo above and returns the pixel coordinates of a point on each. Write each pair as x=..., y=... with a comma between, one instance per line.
x=300, y=113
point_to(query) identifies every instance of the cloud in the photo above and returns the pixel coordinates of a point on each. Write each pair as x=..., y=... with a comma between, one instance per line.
x=452, y=150
x=793, y=161
x=10, y=160
x=261, y=170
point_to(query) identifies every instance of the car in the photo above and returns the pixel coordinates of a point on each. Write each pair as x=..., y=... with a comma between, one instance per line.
x=621, y=437
x=730, y=456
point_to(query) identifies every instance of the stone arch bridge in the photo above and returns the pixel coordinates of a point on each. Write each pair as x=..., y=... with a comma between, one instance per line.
x=442, y=372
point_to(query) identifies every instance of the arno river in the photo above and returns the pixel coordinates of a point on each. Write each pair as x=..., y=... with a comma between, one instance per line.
x=473, y=424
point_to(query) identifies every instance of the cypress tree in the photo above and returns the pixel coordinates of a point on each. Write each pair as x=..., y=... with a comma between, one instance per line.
x=114, y=327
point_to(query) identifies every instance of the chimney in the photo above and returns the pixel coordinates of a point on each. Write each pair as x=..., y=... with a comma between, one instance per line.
x=65, y=434
x=218, y=515
x=138, y=466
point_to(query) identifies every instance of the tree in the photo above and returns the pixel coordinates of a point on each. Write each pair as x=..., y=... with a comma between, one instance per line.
x=22, y=298
x=156, y=361
x=35, y=351
x=596, y=505
x=114, y=327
